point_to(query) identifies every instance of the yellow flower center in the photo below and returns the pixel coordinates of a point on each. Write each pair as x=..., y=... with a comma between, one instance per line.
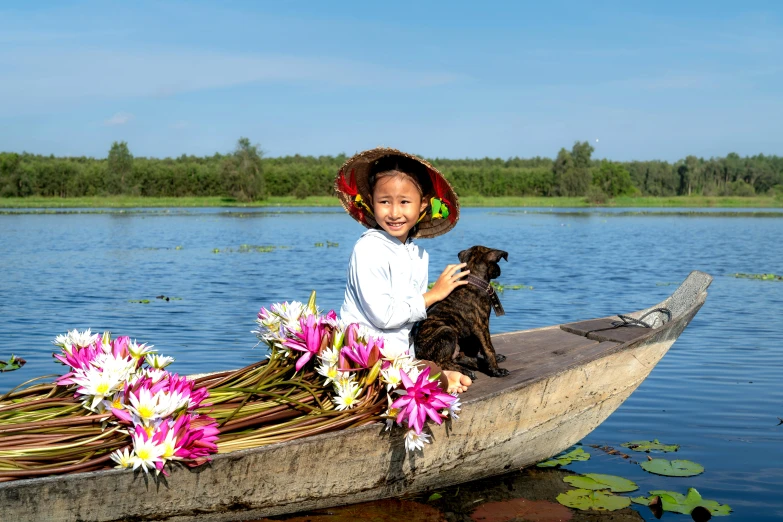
x=169, y=450
x=102, y=388
x=143, y=453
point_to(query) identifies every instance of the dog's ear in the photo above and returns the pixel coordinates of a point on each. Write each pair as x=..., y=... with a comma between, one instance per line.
x=495, y=255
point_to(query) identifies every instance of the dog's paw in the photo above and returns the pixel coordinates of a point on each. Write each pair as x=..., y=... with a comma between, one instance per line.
x=499, y=372
x=469, y=373
x=499, y=357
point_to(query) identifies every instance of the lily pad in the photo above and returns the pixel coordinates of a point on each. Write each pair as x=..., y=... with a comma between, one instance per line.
x=521, y=509
x=14, y=363
x=586, y=499
x=596, y=481
x=673, y=468
x=762, y=277
x=685, y=504
x=648, y=446
x=563, y=460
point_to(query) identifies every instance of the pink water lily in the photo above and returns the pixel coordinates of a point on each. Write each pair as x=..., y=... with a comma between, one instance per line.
x=420, y=399
x=363, y=355
x=197, y=435
x=331, y=319
x=78, y=359
x=309, y=340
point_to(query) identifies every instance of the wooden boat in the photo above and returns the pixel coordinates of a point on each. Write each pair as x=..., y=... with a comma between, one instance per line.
x=565, y=380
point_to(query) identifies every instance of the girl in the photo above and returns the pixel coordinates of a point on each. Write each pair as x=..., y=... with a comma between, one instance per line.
x=398, y=197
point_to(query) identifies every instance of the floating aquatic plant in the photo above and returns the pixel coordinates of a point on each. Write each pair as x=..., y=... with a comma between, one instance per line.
x=762, y=277
x=501, y=287
x=598, y=481
x=168, y=298
x=685, y=504
x=139, y=301
x=672, y=468
x=648, y=446
x=14, y=363
x=589, y=500
x=256, y=248
x=609, y=450
x=565, y=459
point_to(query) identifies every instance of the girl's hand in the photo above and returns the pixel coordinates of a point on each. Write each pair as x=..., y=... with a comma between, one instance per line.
x=450, y=279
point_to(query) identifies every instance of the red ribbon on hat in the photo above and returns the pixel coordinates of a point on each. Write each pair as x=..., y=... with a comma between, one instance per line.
x=359, y=206
x=441, y=188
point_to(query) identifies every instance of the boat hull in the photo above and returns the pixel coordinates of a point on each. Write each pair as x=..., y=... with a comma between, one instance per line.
x=509, y=428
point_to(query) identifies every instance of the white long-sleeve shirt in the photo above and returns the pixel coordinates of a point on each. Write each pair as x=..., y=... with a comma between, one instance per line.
x=386, y=283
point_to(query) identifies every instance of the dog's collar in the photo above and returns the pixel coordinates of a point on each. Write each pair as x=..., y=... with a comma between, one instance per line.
x=487, y=288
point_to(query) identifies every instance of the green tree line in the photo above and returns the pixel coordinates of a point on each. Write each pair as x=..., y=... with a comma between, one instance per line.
x=244, y=174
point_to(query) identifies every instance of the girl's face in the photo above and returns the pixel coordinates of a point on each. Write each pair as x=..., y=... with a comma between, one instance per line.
x=397, y=205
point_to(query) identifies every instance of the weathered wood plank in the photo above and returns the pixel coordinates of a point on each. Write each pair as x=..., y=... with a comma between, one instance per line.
x=532, y=355
x=606, y=330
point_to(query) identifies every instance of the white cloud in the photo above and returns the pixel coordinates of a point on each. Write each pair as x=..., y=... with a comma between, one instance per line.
x=38, y=75
x=121, y=118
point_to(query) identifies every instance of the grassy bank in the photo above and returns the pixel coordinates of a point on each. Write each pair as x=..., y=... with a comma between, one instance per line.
x=326, y=201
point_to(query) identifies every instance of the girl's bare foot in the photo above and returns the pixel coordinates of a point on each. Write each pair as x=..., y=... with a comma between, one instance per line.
x=457, y=382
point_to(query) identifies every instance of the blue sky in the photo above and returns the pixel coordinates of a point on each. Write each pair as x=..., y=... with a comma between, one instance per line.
x=652, y=80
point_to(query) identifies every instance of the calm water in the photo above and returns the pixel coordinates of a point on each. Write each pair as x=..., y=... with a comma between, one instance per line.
x=717, y=393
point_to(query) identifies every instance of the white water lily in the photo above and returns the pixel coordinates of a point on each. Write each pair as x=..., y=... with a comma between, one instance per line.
x=147, y=453
x=75, y=338
x=155, y=374
x=329, y=371
x=416, y=441
x=289, y=313
x=344, y=380
x=347, y=396
x=392, y=352
x=330, y=356
x=149, y=408
x=412, y=371
x=390, y=414
x=170, y=446
x=123, y=367
x=97, y=385
x=391, y=377
x=159, y=361
x=454, y=408
x=123, y=458
x=138, y=351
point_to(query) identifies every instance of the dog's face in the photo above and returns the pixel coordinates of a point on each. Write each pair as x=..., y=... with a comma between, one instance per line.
x=483, y=261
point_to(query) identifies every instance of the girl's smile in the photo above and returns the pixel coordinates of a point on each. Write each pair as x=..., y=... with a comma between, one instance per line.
x=397, y=205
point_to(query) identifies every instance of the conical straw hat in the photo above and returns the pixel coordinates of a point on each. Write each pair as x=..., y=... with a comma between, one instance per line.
x=352, y=186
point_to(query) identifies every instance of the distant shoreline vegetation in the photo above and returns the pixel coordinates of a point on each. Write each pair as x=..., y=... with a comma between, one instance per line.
x=245, y=177
x=57, y=204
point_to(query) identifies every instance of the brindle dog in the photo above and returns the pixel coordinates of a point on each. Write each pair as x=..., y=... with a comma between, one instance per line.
x=455, y=333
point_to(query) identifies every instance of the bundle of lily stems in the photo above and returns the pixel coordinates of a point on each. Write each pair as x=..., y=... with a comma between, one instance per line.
x=118, y=406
